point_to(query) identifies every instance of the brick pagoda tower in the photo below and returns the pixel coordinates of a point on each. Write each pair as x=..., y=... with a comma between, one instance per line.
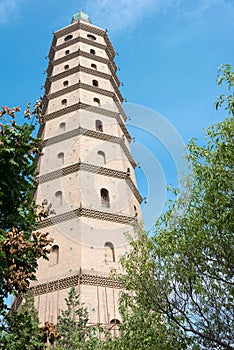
x=86, y=172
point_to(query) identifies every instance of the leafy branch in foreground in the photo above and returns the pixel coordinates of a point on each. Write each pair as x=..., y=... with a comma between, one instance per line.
x=184, y=272
x=21, y=244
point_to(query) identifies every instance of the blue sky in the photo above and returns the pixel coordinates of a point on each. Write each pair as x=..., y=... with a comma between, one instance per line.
x=169, y=51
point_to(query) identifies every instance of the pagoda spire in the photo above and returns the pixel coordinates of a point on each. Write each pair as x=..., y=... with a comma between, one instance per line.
x=81, y=16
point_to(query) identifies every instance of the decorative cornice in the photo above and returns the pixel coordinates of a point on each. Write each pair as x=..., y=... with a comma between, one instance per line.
x=80, y=85
x=83, y=40
x=81, y=105
x=90, y=133
x=76, y=278
x=80, y=53
x=93, y=169
x=95, y=110
x=88, y=213
x=89, y=28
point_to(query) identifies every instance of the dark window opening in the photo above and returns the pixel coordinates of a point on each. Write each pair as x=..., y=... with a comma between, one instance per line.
x=92, y=51
x=95, y=82
x=97, y=101
x=64, y=102
x=66, y=67
x=68, y=37
x=105, y=199
x=94, y=66
x=62, y=126
x=91, y=37
x=99, y=126
x=67, y=52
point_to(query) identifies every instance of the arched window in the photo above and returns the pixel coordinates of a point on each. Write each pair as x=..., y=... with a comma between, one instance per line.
x=64, y=102
x=102, y=157
x=60, y=158
x=62, y=126
x=91, y=37
x=94, y=66
x=96, y=101
x=92, y=51
x=54, y=255
x=58, y=198
x=105, y=199
x=114, y=321
x=98, y=125
x=68, y=37
x=67, y=52
x=95, y=82
x=111, y=248
x=65, y=83
x=66, y=67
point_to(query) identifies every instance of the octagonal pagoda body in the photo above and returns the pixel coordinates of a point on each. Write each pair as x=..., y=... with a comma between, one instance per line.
x=86, y=172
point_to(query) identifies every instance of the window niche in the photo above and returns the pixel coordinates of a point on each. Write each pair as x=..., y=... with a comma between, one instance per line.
x=98, y=125
x=102, y=157
x=110, y=248
x=54, y=255
x=58, y=198
x=96, y=101
x=68, y=37
x=62, y=126
x=91, y=37
x=95, y=82
x=105, y=198
x=60, y=157
x=64, y=102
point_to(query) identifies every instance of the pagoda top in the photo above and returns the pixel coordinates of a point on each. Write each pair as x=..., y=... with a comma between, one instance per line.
x=81, y=16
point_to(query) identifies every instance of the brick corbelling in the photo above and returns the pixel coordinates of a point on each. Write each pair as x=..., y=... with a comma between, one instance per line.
x=81, y=105
x=88, y=213
x=74, y=279
x=78, y=54
x=73, y=70
x=115, y=115
x=89, y=28
x=82, y=40
x=93, y=169
x=78, y=69
x=90, y=133
x=78, y=40
x=82, y=86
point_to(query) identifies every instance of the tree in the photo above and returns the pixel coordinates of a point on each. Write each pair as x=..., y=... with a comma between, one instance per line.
x=73, y=325
x=21, y=244
x=184, y=272
x=21, y=329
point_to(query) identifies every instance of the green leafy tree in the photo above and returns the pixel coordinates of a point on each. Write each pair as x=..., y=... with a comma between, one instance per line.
x=73, y=325
x=20, y=330
x=184, y=272
x=20, y=243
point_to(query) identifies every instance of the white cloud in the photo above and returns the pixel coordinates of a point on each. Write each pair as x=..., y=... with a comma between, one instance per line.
x=121, y=14
x=9, y=10
x=126, y=14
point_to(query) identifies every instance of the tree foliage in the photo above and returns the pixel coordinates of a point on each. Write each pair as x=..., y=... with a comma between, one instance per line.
x=185, y=270
x=20, y=330
x=73, y=325
x=21, y=244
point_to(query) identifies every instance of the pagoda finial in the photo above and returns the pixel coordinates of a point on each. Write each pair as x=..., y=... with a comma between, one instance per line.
x=81, y=16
